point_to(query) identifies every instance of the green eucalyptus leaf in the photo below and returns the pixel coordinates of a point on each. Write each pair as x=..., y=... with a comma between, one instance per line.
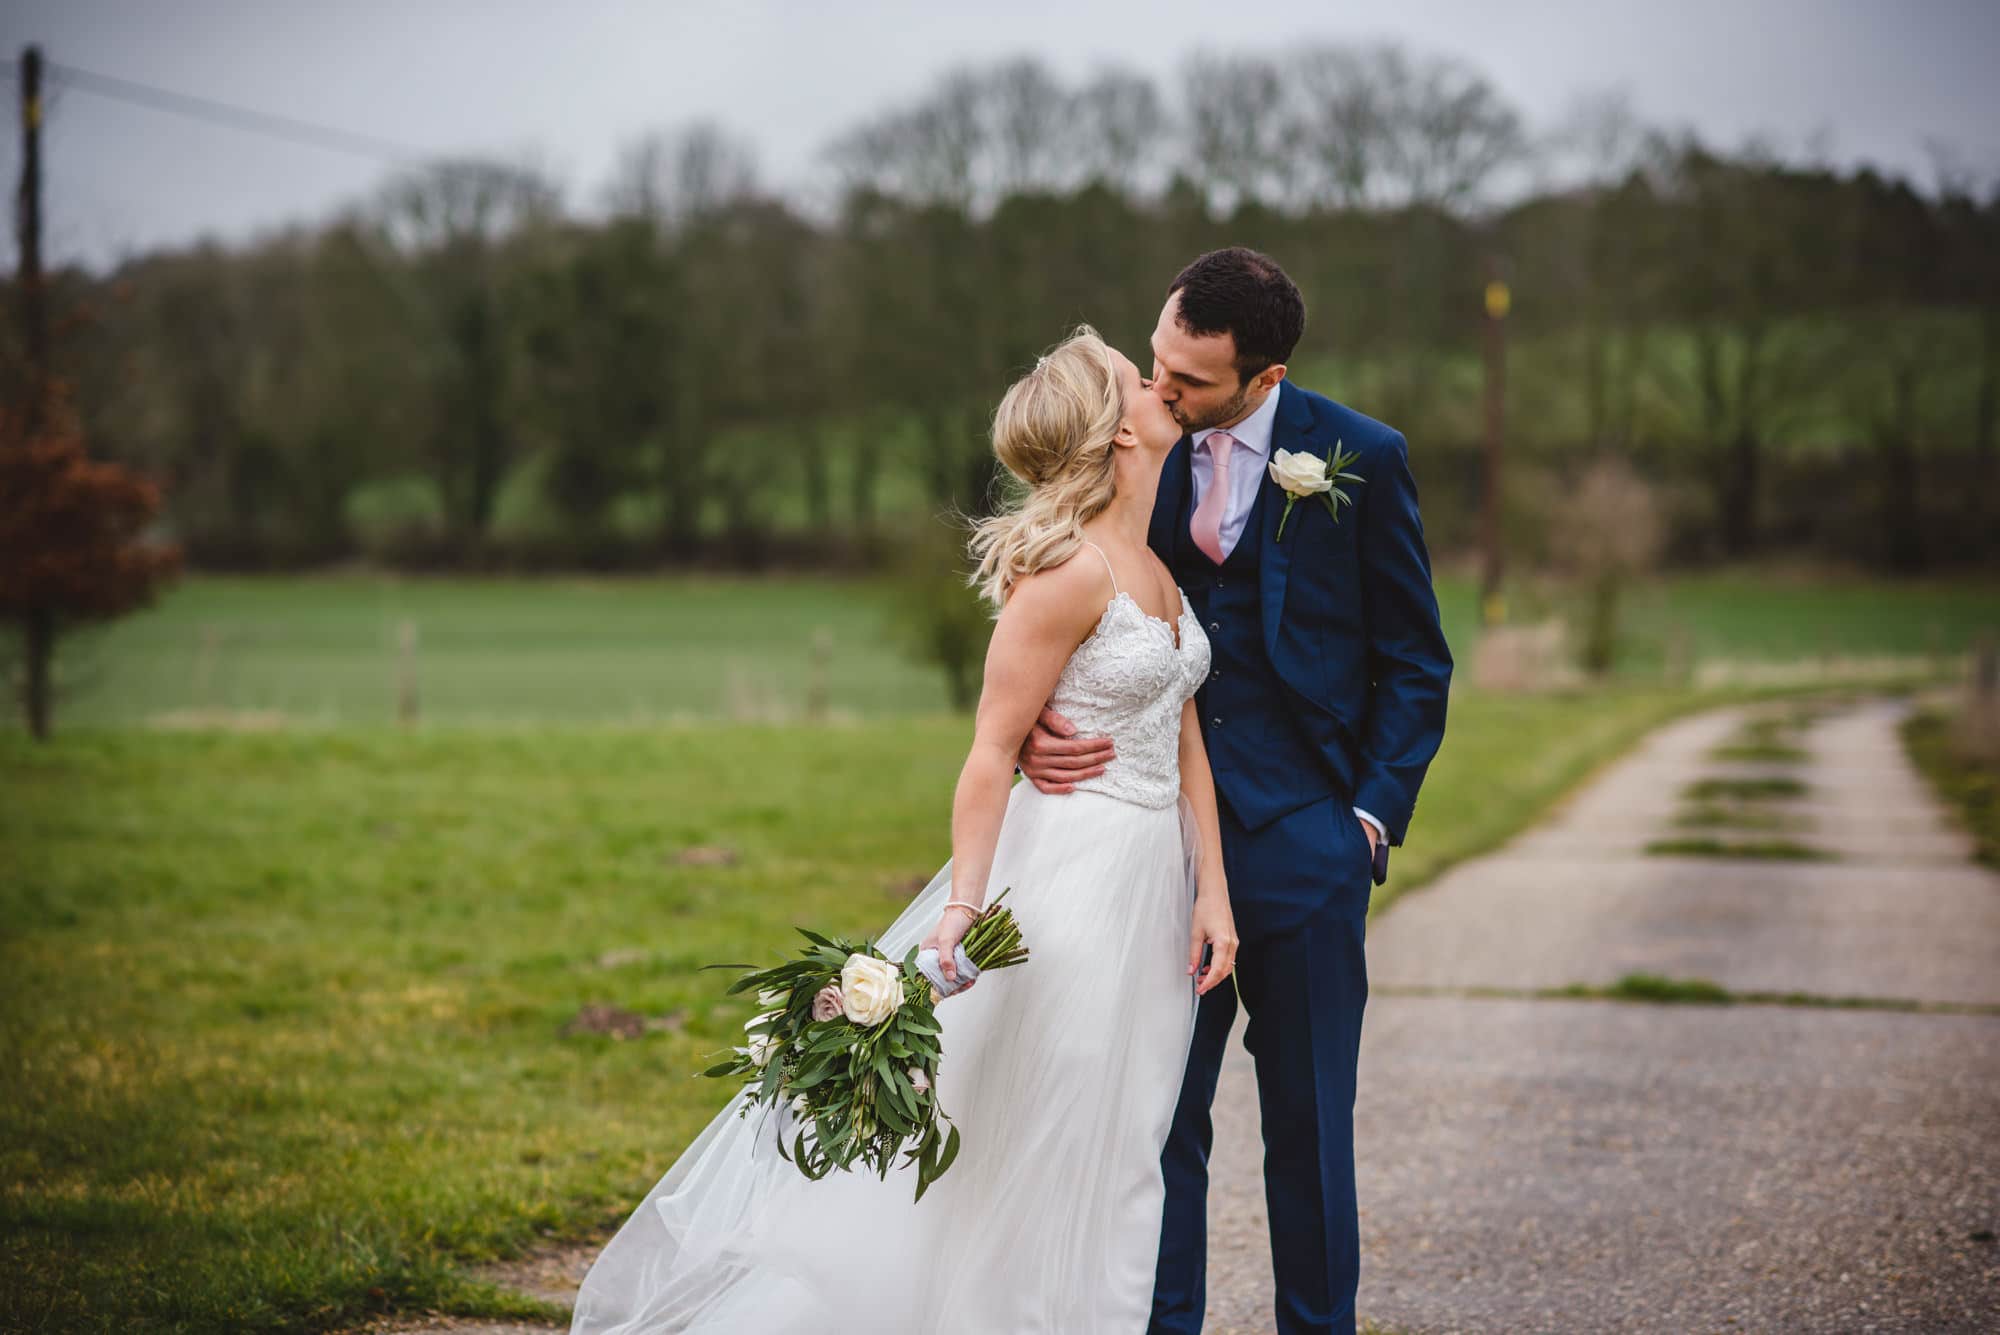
x=892, y=1115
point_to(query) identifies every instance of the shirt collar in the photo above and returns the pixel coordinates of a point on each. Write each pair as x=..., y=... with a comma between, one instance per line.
x=1253, y=432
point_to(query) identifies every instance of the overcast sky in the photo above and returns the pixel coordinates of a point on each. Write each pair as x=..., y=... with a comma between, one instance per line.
x=570, y=80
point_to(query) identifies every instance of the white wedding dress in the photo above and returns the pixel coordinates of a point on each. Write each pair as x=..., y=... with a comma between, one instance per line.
x=1061, y=1074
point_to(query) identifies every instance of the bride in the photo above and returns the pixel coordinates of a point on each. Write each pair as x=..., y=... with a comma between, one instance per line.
x=1062, y=1073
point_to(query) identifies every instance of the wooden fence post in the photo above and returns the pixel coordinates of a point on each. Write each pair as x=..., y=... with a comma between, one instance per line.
x=406, y=674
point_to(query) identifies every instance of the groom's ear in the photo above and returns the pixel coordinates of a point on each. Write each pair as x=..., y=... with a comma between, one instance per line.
x=1267, y=379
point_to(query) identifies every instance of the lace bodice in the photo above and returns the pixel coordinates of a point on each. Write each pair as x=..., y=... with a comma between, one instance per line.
x=1127, y=681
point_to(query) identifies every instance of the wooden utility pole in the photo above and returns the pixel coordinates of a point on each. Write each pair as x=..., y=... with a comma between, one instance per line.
x=1491, y=610
x=28, y=226
x=39, y=625
x=70, y=529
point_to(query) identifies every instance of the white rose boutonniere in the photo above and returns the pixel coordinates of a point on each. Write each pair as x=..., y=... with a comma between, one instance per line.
x=1301, y=475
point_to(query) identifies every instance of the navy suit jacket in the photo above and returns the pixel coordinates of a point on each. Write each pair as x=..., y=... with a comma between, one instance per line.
x=1350, y=619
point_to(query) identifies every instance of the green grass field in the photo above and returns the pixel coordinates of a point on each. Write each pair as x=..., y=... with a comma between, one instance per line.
x=322, y=651
x=285, y=1007
x=284, y=1010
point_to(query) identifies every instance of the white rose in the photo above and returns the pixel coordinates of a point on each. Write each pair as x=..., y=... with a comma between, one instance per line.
x=919, y=1080
x=1300, y=473
x=871, y=989
x=771, y=997
x=762, y=1046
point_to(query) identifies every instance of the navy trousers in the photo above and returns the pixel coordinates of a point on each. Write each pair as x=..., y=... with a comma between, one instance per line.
x=1303, y=987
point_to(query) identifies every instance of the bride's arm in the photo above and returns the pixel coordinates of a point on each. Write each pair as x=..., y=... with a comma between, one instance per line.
x=1213, y=923
x=1045, y=617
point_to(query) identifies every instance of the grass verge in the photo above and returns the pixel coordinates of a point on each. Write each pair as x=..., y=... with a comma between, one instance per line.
x=1657, y=990
x=1966, y=779
x=1761, y=753
x=1770, y=850
x=1743, y=790
x=1739, y=817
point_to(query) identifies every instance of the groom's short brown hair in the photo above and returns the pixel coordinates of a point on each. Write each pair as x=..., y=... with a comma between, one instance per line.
x=1243, y=293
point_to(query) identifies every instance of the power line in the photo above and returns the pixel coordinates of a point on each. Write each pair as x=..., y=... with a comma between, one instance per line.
x=246, y=119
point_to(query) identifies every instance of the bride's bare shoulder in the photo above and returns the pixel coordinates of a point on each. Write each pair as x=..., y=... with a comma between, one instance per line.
x=1063, y=598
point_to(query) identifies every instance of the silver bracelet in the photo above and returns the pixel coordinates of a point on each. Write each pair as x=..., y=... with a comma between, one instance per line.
x=961, y=904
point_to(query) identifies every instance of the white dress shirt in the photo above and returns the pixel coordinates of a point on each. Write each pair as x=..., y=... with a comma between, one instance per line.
x=1249, y=458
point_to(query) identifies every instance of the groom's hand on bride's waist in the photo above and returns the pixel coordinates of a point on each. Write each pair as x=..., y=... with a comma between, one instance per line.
x=1055, y=759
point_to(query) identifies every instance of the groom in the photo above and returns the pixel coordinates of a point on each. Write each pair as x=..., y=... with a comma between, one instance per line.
x=1324, y=707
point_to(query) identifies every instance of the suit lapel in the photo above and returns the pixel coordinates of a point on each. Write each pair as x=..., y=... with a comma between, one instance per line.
x=1176, y=482
x=1289, y=432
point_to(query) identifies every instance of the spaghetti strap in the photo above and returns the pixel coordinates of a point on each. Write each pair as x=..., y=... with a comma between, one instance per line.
x=1107, y=565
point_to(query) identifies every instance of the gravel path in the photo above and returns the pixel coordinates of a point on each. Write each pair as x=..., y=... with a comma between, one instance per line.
x=1537, y=1164
x=1581, y=1165
x=1902, y=914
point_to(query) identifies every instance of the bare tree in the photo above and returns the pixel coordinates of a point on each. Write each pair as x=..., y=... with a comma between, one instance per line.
x=1340, y=121
x=1348, y=125
x=1899, y=354
x=1748, y=252
x=674, y=177
x=453, y=220
x=1598, y=141
x=1447, y=132
x=1237, y=129
x=464, y=203
x=1120, y=127
x=1610, y=534
x=929, y=153
x=1969, y=202
x=1030, y=124
x=979, y=135
x=1594, y=236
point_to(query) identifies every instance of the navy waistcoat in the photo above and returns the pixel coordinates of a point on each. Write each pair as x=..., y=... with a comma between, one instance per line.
x=1263, y=764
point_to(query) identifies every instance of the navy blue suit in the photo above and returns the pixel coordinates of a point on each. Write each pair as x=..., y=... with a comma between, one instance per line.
x=1327, y=691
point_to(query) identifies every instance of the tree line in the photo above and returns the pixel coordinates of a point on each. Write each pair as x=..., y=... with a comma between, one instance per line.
x=469, y=368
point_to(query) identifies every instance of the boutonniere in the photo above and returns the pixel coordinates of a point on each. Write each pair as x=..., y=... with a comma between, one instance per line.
x=1301, y=475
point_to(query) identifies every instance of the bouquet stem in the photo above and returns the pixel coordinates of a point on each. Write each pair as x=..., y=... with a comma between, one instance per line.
x=992, y=942
x=994, y=939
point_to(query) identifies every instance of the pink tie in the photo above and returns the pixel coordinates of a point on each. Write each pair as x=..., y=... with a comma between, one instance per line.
x=1206, y=527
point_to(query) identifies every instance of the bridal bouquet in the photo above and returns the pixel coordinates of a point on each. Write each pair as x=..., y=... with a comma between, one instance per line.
x=849, y=1042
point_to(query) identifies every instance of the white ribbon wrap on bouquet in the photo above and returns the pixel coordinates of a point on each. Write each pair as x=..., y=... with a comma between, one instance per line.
x=931, y=965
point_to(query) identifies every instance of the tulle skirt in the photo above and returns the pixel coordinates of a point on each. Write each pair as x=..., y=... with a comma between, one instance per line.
x=1061, y=1074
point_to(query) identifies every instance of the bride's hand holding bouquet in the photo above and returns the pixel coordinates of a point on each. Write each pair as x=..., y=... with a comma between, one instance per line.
x=944, y=939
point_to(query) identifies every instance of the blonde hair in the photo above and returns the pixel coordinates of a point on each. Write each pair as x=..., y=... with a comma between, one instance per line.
x=1053, y=431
